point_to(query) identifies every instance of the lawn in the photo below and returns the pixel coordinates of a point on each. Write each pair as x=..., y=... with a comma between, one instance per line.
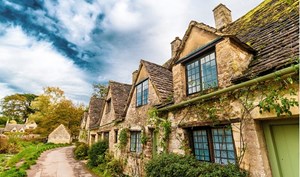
x=16, y=165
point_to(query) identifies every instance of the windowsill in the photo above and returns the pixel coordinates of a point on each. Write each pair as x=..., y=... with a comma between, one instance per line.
x=203, y=92
x=135, y=154
x=140, y=106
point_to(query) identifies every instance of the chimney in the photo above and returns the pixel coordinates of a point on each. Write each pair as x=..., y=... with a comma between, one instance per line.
x=174, y=45
x=134, y=75
x=222, y=16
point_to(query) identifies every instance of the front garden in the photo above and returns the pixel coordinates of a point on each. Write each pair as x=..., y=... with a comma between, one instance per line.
x=102, y=163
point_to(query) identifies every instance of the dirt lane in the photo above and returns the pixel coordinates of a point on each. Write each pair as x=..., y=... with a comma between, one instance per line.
x=58, y=163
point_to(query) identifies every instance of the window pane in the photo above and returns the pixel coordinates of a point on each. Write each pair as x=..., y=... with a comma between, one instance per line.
x=193, y=77
x=138, y=142
x=209, y=72
x=132, y=141
x=201, y=145
x=142, y=93
x=223, y=145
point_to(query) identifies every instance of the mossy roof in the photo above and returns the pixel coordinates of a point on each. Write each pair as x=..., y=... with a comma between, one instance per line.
x=272, y=29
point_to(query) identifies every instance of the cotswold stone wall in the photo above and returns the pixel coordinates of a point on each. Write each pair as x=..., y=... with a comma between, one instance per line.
x=231, y=61
x=255, y=159
x=107, y=123
x=136, y=120
x=59, y=136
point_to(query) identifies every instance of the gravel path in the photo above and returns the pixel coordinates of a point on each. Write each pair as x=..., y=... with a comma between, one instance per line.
x=58, y=163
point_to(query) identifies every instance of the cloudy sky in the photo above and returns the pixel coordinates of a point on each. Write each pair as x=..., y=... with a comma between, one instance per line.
x=75, y=43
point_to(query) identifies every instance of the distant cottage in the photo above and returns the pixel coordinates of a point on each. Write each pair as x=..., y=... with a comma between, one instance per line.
x=12, y=126
x=60, y=135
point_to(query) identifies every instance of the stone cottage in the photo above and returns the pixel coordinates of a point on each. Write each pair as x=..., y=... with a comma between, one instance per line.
x=228, y=95
x=83, y=133
x=14, y=127
x=230, y=87
x=93, y=118
x=60, y=135
x=113, y=114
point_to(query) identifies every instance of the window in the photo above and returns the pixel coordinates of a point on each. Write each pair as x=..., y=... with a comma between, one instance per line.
x=142, y=93
x=106, y=136
x=135, y=141
x=116, y=136
x=214, y=145
x=202, y=73
x=108, y=106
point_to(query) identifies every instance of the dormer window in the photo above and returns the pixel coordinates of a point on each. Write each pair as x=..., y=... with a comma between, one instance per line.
x=108, y=105
x=202, y=73
x=142, y=93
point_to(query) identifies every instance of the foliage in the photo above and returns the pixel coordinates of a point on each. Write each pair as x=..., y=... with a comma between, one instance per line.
x=173, y=165
x=81, y=151
x=17, y=106
x=3, y=120
x=110, y=167
x=160, y=124
x=100, y=90
x=96, y=153
x=275, y=99
x=52, y=109
x=123, y=138
x=9, y=145
x=28, y=155
x=144, y=138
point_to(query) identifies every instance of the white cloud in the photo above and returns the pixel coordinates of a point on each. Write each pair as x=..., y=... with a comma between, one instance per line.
x=30, y=65
x=156, y=24
x=77, y=17
x=5, y=90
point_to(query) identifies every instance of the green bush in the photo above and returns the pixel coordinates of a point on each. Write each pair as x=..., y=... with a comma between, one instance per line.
x=173, y=165
x=81, y=151
x=114, y=167
x=97, y=153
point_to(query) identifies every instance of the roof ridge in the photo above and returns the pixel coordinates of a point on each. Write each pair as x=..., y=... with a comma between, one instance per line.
x=111, y=81
x=154, y=64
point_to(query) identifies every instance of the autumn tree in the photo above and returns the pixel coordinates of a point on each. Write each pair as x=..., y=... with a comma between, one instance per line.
x=52, y=109
x=17, y=106
x=100, y=90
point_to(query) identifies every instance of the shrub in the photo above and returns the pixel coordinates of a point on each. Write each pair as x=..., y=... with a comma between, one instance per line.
x=81, y=151
x=173, y=165
x=97, y=153
x=3, y=145
x=113, y=166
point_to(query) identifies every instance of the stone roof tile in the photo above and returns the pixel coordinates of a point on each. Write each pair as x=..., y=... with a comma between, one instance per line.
x=162, y=79
x=119, y=95
x=272, y=29
x=95, y=111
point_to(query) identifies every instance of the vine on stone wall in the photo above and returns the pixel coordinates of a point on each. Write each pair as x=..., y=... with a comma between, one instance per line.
x=123, y=138
x=164, y=125
x=273, y=96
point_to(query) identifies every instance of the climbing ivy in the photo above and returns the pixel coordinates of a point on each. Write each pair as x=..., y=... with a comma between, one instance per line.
x=123, y=138
x=164, y=125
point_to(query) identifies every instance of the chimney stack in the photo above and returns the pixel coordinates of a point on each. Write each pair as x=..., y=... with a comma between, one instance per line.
x=174, y=45
x=222, y=16
x=134, y=75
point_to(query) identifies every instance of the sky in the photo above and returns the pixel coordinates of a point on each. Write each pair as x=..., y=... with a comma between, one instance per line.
x=73, y=44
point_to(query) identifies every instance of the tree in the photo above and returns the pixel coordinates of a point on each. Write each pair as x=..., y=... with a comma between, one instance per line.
x=52, y=109
x=100, y=90
x=17, y=106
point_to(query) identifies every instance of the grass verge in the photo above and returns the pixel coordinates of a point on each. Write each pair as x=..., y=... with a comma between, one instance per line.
x=19, y=163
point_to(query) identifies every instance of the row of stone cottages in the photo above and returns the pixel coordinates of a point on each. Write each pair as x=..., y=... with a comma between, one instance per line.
x=226, y=96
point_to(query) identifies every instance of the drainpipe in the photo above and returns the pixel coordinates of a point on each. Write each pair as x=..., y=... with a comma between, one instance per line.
x=289, y=70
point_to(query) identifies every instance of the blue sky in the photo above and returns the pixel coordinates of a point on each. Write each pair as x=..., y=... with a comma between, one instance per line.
x=72, y=44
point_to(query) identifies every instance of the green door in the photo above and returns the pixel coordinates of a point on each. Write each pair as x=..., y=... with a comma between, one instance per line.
x=282, y=138
x=154, y=143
